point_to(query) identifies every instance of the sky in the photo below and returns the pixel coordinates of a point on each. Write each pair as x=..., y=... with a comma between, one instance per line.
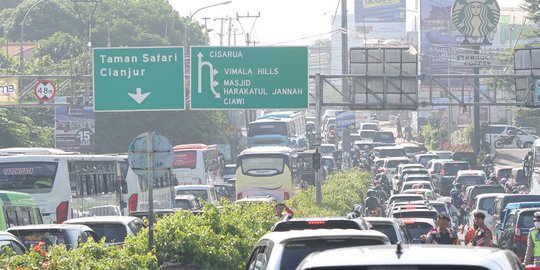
x=281, y=22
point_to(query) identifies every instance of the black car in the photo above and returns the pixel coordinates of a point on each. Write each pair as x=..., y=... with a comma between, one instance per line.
x=384, y=137
x=447, y=174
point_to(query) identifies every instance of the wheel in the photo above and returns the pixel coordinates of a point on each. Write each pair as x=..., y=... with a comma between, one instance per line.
x=527, y=145
x=498, y=144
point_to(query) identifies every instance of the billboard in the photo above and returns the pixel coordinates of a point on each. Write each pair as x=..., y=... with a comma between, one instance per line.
x=9, y=91
x=74, y=126
x=380, y=19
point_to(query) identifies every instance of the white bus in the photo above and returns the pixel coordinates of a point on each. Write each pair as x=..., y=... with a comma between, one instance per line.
x=535, y=177
x=266, y=171
x=279, y=129
x=70, y=185
x=197, y=164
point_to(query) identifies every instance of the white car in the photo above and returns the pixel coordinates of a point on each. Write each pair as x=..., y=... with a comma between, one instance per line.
x=285, y=250
x=482, y=203
x=205, y=192
x=115, y=229
x=417, y=257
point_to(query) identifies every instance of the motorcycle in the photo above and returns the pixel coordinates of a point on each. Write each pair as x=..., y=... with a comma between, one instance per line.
x=501, y=140
x=371, y=213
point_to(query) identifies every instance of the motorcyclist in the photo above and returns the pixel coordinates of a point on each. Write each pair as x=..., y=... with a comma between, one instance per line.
x=380, y=193
x=356, y=213
x=371, y=203
x=493, y=178
x=385, y=184
x=487, y=163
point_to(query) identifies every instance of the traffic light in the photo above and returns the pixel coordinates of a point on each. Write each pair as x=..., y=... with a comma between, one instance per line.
x=316, y=160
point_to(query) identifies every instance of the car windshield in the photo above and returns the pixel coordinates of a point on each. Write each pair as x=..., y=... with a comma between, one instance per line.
x=416, y=229
x=526, y=220
x=369, y=126
x=504, y=173
x=296, y=251
x=229, y=170
x=327, y=150
x=439, y=207
x=32, y=238
x=182, y=204
x=386, y=229
x=394, y=163
x=384, y=153
x=113, y=233
x=28, y=177
x=415, y=214
x=198, y=193
x=486, y=203
x=471, y=180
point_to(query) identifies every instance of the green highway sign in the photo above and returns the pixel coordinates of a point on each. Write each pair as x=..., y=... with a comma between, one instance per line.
x=249, y=77
x=138, y=79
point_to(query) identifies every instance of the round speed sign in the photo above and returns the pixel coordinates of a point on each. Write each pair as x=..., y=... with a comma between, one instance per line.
x=44, y=90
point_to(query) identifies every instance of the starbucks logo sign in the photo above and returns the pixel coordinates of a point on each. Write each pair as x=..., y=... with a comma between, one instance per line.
x=476, y=19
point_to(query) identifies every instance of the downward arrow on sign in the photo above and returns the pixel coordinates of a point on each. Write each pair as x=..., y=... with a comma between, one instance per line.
x=139, y=97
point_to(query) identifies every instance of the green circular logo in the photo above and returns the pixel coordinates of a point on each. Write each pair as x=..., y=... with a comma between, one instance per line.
x=476, y=19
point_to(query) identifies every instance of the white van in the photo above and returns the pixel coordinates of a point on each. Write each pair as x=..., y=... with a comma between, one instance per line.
x=526, y=138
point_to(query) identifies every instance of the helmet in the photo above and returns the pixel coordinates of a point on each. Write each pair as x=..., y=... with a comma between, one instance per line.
x=458, y=186
x=491, y=182
x=454, y=192
x=488, y=156
x=378, y=176
x=371, y=192
x=522, y=188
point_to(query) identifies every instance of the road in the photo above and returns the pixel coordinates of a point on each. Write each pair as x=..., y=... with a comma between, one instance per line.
x=510, y=156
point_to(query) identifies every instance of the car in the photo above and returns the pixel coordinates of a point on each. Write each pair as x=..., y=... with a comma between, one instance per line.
x=71, y=235
x=515, y=231
x=407, y=166
x=367, y=135
x=384, y=137
x=434, y=167
x=499, y=205
x=389, y=166
x=418, y=177
x=416, y=184
x=9, y=240
x=409, y=257
x=396, y=198
x=411, y=150
x=285, y=250
x=423, y=159
x=226, y=191
x=187, y=202
x=416, y=213
x=427, y=193
x=399, y=179
x=327, y=149
x=519, y=177
x=399, y=208
x=369, y=126
x=470, y=178
x=447, y=174
x=482, y=203
x=503, y=172
x=465, y=156
x=104, y=210
x=114, y=229
x=498, y=130
x=418, y=226
x=320, y=223
x=205, y=192
x=472, y=191
x=229, y=172
x=393, y=228
x=389, y=151
x=442, y=154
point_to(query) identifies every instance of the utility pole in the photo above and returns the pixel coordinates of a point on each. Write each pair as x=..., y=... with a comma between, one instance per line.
x=229, y=32
x=221, y=31
x=248, y=34
x=344, y=50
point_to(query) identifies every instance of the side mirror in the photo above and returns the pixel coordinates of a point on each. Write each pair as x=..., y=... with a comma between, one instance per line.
x=490, y=211
x=499, y=226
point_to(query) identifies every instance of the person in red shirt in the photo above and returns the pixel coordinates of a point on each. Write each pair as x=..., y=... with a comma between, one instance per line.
x=482, y=235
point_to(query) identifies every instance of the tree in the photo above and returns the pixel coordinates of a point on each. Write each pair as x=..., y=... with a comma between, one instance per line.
x=533, y=7
x=19, y=130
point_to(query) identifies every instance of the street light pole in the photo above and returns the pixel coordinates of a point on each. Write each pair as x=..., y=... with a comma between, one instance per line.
x=21, y=41
x=186, y=41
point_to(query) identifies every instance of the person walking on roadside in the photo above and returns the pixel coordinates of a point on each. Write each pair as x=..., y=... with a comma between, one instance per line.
x=532, y=254
x=408, y=132
x=442, y=235
x=398, y=127
x=482, y=234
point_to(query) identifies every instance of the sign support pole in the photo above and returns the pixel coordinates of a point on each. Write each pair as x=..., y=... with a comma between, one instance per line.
x=318, y=103
x=477, y=140
x=150, y=138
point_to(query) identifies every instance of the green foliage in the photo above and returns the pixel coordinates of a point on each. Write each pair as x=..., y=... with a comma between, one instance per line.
x=16, y=129
x=528, y=118
x=339, y=193
x=89, y=255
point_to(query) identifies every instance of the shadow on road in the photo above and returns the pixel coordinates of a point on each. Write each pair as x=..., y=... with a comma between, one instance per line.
x=506, y=159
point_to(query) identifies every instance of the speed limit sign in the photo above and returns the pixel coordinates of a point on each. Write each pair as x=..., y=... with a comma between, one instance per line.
x=44, y=90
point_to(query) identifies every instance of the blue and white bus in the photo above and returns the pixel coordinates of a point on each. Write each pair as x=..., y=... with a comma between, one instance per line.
x=279, y=129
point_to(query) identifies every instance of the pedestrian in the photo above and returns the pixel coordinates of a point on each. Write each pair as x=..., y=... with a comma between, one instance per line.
x=408, y=132
x=482, y=234
x=442, y=235
x=532, y=254
x=398, y=127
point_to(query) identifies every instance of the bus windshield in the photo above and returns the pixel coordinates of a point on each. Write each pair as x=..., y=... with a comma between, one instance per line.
x=279, y=128
x=185, y=159
x=28, y=177
x=262, y=165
